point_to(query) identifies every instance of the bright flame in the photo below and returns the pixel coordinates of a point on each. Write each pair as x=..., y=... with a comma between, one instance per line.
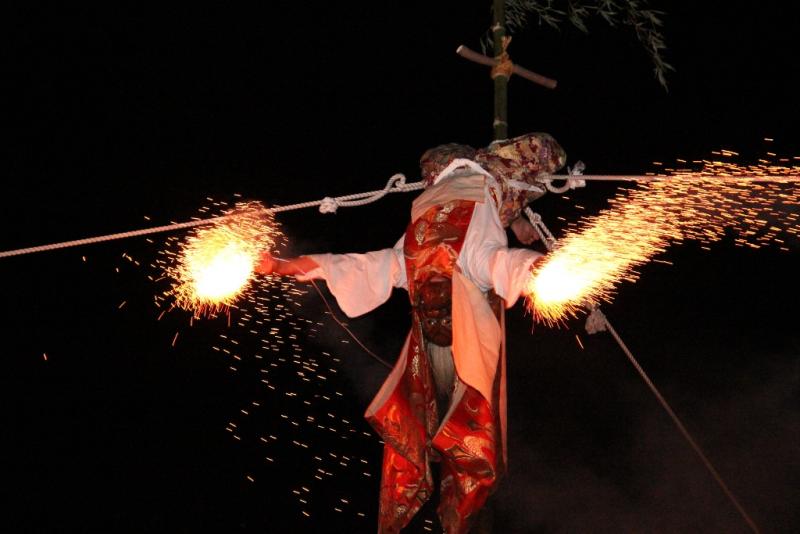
x=220, y=270
x=587, y=264
x=216, y=264
x=605, y=249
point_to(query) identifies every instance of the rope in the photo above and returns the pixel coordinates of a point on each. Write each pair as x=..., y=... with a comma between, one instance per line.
x=504, y=66
x=664, y=404
x=111, y=237
x=571, y=183
x=396, y=184
x=598, y=322
x=545, y=235
x=777, y=178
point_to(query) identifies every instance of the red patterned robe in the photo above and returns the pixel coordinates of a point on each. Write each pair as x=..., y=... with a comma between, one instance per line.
x=455, y=231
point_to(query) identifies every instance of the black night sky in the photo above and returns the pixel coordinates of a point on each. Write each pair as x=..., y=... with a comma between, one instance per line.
x=117, y=113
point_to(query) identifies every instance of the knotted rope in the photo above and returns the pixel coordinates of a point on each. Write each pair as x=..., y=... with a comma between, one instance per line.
x=396, y=184
x=678, y=423
x=546, y=236
x=504, y=66
x=598, y=322
x=572, y=183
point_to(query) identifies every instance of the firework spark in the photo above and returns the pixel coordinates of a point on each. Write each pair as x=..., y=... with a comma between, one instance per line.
x=602, y=250
x=216, y=264
x=298, y=412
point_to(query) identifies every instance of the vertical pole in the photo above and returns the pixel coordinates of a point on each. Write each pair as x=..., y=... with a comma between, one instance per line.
x=500, y=80
x=484, y=523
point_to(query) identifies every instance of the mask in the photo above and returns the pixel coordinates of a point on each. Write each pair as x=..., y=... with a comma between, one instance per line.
x=435, y=311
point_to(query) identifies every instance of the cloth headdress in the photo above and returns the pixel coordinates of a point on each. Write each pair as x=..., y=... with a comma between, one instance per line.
x=436, y=159
x=516, y=164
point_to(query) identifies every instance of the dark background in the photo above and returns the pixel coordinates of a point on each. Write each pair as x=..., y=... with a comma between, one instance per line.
x=119, y=113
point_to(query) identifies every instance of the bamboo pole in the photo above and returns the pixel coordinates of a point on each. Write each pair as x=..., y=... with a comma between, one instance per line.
x=500, y=123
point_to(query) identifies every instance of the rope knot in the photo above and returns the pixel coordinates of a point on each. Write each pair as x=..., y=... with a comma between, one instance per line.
x=576, y=170
x=596, y=322
x=397, y=181
x=504, y=66
x=544, y=233
x=328, y=205
x=571, y=183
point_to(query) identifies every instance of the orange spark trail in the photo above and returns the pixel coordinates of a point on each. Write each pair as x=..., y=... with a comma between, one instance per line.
x=216, y=264
x=298, y=405
x=605, y=249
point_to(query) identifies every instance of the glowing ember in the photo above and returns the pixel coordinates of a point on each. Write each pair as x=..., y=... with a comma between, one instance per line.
x=219, y=268
x=215, y=264
x=589, y=262
x=605, y=249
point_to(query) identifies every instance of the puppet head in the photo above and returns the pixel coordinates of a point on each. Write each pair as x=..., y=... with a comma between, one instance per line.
x=434, y=160
x=521, y=159
x=434, y=307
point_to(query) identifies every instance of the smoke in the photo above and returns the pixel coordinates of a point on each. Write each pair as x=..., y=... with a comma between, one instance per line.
x=656, y=483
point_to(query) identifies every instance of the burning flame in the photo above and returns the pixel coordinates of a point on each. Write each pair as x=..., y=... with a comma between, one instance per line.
x=588, y=263
x=216, y=264
x=603, y=250
x=219, y=268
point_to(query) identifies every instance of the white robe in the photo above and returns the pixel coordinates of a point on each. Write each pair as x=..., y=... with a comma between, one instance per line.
x=361, y=282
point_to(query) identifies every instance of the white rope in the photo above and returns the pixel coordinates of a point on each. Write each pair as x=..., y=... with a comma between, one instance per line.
x=776, y=178
x=396, y=184
x=546, y=236
x=111, y=237
x=571, y=183
x=598, y=322
x=595, y=322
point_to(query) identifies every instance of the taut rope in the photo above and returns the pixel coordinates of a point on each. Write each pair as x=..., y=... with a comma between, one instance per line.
x=598, y=322
x=396, y=184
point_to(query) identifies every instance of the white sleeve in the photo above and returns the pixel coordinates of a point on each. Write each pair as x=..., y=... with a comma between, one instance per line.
x=486, y=259
x=361, y=282
x=510, y=270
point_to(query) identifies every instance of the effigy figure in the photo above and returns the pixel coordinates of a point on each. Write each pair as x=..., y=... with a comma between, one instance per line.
x=445, y=399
